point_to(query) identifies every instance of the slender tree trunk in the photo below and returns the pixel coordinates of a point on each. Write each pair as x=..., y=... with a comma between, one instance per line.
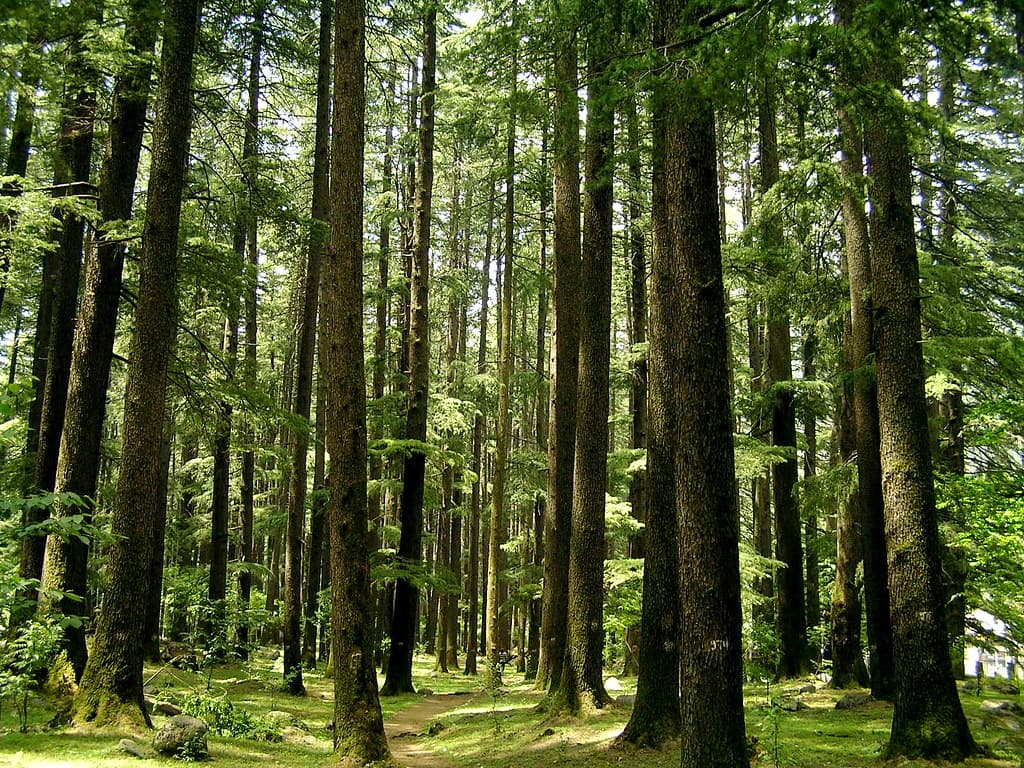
x=110, y=691
x=479, y=446
x=565, y=350
x=637, y=260
x=214, y=624
x=58, y=300
x=17, y=159
x=403, y=628
x=688, y=333
x=65, y=568
x=316, y=573
x=848, y=668
x=928, y=720
x=812, y=582
x=304, y=371
x=496, y=641
x=582, y=686
x=154, y=601
x=788, y=550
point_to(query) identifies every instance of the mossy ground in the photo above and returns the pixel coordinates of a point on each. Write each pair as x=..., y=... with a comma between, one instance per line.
x=495, y=729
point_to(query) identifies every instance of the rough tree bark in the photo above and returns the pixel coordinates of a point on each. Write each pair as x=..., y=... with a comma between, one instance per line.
x=110, y=692
x=582, y=687
x=928, y=720
x=358, y=727
x=565, y=361
x=403, y=625
x=689, y=354
x=65, y=566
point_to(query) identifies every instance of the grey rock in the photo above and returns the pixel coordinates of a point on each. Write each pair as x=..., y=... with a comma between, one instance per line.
x=166, y=708
x=150, y=690
x=626, y=698
x=612, y=685
x=853, y=700
x=1005, y=687
x=970, y=686
x=181, y=733
x=809, y=688
x=298, y=736
x=132, y=748
x=791, y=705
x=991, y=706
x=425, y=691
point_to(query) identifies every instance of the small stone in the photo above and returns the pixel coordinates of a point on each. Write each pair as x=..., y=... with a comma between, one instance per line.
x=853, y=700
x=612, y=685
x=548, y=732
x=426, y=691
x=809, y=688
x=182, y=733
x=970, y=686
x=150, y=690
x=132, y=748
x=435, y=728
x=285, y=720
x=626, y=698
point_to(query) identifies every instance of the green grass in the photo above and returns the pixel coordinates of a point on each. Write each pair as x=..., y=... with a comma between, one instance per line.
x=508, y=729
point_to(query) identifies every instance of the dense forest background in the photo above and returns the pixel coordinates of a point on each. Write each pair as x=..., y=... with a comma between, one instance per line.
x=722, y=296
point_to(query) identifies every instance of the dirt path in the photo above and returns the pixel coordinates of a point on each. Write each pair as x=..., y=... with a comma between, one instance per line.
x=405, y=731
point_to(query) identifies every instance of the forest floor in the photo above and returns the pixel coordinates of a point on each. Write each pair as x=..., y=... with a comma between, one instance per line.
x=455, y=723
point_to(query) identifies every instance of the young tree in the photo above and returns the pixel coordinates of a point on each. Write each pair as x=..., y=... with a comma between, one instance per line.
x=110, y=692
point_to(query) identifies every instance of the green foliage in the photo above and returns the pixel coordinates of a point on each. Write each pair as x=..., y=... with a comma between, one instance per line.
x=225, y=719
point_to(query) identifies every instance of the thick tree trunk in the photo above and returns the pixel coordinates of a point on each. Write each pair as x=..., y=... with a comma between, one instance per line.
x=582, y=687
x=565, y=362
x=358, y=726
x=655, y=717
x=403, y=627
x=688, y=335
x=110, y=692
x=869, y=468
x=65, y=568
x=928, y=720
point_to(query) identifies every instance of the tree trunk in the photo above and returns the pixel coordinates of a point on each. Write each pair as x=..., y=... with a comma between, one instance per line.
x=403, y=627
x=688, y=334
x=358, y=726
x=293, y=628
x=154, y=601
x=812, y=582
x=110, y=692
x=655, y=717
x=848, y=669
x=582, y=687
x=928, y=720
x=565, y=349
x=497, y=642
x=790, y=615
x=869, y=468
x=317, y=528
x=65, y=569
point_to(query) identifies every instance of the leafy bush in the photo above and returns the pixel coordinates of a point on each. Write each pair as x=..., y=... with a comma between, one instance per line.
x=222, y=717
